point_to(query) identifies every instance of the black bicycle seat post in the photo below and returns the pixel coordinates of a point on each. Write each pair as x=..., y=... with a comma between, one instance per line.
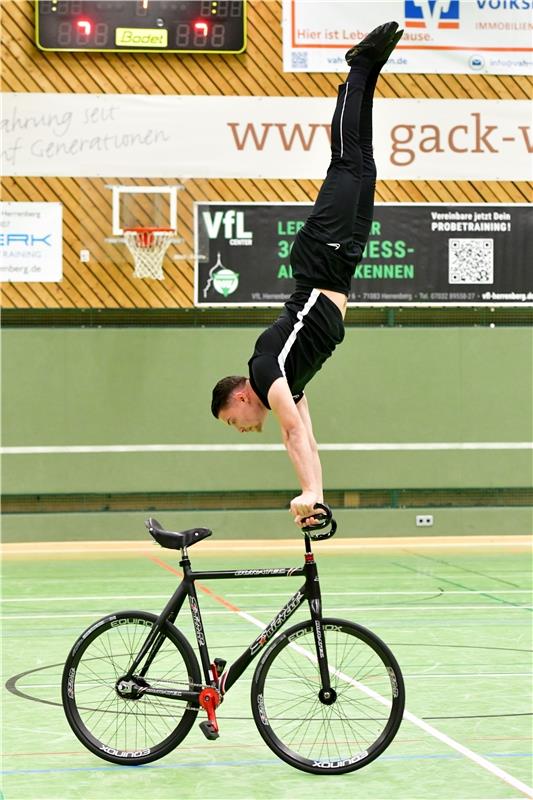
x=185, y=561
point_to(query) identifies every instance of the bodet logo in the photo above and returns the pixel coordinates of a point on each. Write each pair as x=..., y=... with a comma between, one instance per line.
x=443, y=14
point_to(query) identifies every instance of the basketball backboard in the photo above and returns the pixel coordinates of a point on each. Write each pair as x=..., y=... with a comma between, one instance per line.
x=143, y=207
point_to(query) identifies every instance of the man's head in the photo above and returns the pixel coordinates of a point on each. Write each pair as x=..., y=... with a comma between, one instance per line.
x=235, y=403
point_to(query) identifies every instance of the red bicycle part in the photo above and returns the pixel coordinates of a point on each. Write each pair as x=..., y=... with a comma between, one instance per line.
x=209, y=699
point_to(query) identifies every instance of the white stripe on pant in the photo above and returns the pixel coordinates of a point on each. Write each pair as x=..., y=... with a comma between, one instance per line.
x=313, y=297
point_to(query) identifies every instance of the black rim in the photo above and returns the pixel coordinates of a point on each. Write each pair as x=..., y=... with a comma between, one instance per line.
x=125, y=729
x=305, y=728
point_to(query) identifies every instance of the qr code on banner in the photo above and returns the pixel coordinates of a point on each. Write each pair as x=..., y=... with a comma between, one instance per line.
x=299, y=60
x=471, y=261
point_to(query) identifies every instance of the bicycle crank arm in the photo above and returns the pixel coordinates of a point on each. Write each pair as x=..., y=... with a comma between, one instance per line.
x=171, y=694
x=210, y=699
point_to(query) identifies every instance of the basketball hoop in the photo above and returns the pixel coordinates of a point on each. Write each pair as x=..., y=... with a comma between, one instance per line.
x=148, y=247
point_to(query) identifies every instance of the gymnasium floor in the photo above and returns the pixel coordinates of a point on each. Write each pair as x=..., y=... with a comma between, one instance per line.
x=455, y=612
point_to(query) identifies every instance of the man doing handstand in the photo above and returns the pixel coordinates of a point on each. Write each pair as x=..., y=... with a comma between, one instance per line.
x=323, y=258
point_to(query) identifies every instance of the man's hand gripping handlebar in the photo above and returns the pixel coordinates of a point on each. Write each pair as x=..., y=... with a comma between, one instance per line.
x=322, y=520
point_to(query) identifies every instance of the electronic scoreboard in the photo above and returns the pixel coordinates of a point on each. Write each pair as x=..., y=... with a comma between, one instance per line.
x=149, y=26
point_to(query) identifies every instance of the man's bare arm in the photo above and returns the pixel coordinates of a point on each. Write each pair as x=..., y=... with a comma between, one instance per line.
x=296, y=433
x=303, y=410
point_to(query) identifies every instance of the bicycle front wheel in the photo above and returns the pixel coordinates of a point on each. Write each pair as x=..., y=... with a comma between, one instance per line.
x=335, y=734
x=135, y=729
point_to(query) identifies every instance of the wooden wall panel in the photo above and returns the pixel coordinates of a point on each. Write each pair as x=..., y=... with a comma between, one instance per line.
x=106, y=281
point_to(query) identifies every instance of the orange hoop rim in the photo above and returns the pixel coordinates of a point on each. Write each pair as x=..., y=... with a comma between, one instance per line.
x=149, y=230
x=144, y=237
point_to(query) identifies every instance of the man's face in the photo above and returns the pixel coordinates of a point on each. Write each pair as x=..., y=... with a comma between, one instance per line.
x=243, y=414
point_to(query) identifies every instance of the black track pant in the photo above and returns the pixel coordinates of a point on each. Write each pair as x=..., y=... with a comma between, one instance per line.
x=344, y=207
x=331, y=243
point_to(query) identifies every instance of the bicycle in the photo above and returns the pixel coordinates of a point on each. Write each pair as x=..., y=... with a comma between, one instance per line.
x=327, y=694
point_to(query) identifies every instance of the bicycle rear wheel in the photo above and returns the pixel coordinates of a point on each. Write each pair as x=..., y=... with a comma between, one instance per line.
x=344, y=732
x=119, y=729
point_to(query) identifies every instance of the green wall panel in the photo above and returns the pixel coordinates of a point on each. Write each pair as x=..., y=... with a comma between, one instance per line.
x=264, y=524
x=127, y=386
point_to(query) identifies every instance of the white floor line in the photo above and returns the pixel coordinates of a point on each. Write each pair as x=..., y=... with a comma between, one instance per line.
x=273, y=609
x=411, y=607
x=429, y=591
x=83, y=598
x=420, y=723
x=470, y=754
x=260, y=448
x=472, y=675
x=25, y=686
x=89, y=614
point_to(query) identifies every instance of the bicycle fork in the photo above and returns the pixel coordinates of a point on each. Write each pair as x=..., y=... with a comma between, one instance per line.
x=327, y=694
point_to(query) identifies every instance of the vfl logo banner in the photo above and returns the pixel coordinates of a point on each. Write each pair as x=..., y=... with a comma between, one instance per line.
x=419, y=254
x=228, y=227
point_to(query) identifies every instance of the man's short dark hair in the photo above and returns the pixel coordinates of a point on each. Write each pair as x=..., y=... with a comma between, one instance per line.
x=223, y=391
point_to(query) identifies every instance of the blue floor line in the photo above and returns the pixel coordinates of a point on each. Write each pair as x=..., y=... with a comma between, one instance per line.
x=203, y=765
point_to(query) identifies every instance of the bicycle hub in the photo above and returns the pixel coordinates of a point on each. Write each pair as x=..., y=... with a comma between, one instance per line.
x=130, y=689
x=327, y=696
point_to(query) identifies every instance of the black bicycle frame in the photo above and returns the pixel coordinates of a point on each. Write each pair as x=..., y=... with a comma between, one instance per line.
x=309, y=591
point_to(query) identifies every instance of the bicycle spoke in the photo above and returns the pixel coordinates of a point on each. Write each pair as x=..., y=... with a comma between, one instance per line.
x=122, y=725
x=316, y=733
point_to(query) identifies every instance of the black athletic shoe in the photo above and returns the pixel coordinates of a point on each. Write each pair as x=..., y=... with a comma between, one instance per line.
x=387, y=53
x=373, y=46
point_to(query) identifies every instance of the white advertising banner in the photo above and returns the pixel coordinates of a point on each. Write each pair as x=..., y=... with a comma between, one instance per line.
x=31, y=242
x=440, y=36
x=257, y=137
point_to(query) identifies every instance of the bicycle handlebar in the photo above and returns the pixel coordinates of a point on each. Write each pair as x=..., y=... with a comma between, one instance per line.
x=327, y=519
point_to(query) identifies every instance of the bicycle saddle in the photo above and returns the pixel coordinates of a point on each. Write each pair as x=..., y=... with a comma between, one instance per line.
x=173, y=539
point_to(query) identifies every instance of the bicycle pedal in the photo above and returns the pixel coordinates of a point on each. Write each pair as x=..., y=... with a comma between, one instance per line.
x=209, y=730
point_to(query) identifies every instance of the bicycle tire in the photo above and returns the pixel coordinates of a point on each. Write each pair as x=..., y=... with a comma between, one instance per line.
x=120, y=730
x=351, y=731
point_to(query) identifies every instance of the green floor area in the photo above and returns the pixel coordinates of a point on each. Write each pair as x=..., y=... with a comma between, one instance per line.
x=457, y=619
